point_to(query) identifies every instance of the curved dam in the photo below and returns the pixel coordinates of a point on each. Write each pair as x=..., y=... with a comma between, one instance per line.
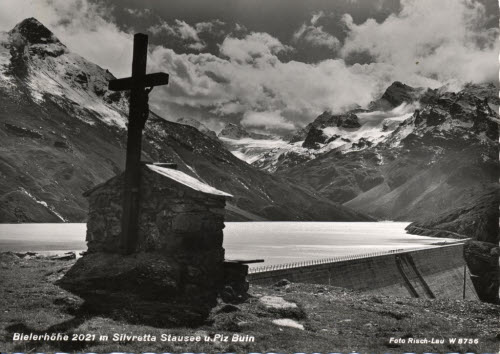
x=436, y=272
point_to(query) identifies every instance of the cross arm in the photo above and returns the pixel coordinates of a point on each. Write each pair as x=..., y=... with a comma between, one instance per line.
x=129, y=83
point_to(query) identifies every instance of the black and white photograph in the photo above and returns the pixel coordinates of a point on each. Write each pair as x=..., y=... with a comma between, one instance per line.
x=249, y=176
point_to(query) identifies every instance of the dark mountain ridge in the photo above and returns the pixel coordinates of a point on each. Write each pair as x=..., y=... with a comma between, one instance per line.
x=198, y=125
x=398, y=93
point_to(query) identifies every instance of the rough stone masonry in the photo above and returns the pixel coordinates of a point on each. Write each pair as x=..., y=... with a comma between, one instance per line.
x=177, y=268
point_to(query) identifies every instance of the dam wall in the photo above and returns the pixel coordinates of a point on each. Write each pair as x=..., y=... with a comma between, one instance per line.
x=436, y=272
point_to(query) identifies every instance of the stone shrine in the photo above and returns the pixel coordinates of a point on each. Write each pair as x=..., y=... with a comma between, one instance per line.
x=176, y=269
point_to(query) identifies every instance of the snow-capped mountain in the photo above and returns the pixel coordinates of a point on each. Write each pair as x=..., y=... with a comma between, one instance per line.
x=353, y=130
x=435, y=159
x=62, y=132
x=344, y=132
x=32, y=54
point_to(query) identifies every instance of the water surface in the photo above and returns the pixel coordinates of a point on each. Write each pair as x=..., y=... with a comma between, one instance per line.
x=276, y=242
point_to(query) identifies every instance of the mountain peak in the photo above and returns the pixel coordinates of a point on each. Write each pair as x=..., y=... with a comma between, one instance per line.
x=398, y=93
x=34, y=32
x=398, y=84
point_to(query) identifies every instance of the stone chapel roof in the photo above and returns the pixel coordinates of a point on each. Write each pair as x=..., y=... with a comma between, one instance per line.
x=188, y=181
x=177, y=176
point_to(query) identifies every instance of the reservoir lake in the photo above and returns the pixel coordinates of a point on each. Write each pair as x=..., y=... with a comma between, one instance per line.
x=275, y=242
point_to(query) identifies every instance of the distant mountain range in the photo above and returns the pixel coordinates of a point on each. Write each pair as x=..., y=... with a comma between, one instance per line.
x=414, y=154
x=62, y=132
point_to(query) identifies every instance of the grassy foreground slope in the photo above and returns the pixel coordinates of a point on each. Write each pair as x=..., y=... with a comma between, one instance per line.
x=333, y=319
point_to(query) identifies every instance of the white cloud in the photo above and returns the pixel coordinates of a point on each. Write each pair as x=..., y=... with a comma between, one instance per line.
x=315, y=35
x=199, y=46
x=254, y=46
x=253, y=79
x=186, y=31
x=208, y=26
x=240, y=28
x=182, y=30
x=444, y=37
x=162, y=27
x=316, y=16
x=138, y=12
x=266, y=120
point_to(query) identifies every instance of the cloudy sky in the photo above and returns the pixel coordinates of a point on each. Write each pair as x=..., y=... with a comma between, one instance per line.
x=277, y=64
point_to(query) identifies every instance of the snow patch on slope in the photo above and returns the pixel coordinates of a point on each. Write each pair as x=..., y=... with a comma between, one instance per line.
x=5, y=58
x=251, y=150
x=375, y=126
x=56, y=76
x=41, y=202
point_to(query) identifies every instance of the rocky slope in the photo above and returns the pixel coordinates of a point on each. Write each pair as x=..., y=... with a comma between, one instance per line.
x=477, y=219
x=62, y=132
x=199, y=126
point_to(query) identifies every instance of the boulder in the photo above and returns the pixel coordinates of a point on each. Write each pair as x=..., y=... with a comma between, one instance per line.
x=144, y=288
x=277, y=306
x=278, y=303
x=288, y=322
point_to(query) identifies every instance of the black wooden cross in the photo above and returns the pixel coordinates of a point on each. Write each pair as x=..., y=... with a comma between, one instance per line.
x=138, y=114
